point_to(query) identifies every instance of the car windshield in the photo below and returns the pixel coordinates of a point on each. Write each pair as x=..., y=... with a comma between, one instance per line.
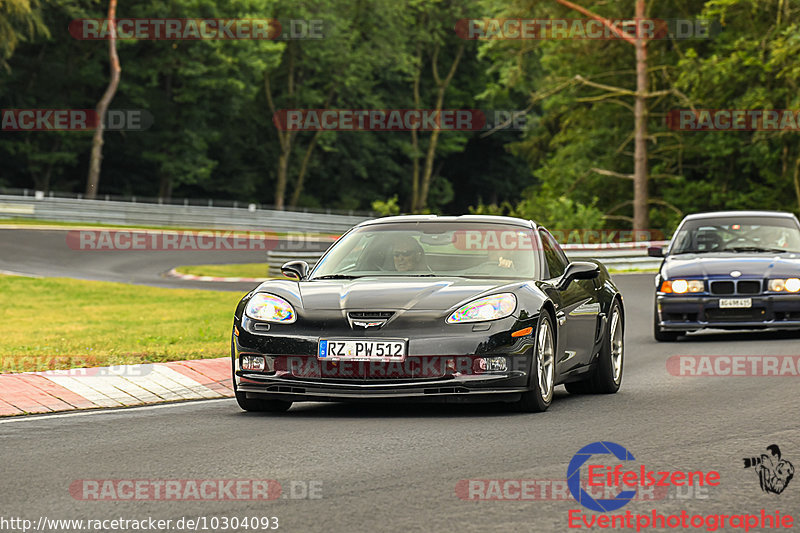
x=430, y=249
x=737, y=234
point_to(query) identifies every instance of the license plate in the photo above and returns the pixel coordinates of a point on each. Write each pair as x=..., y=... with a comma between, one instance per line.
x=735, y=303
x=361, y=350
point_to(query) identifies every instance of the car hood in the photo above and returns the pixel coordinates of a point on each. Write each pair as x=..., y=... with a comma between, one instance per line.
x=382, y=293
x=762, y=265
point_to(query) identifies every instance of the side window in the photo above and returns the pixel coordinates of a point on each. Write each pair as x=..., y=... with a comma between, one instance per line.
x=553, y=255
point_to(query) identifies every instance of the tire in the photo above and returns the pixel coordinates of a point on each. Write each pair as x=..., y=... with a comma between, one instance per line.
x=606, y=377
x=662, y=335
x=261, y=406
x=543, y=369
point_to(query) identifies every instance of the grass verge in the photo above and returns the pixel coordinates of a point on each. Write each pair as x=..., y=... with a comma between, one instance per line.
x=239, y=270
x=55, y=323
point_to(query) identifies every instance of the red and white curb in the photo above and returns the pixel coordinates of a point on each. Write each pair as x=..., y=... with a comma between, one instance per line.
x=191, y=277
x=118, y=386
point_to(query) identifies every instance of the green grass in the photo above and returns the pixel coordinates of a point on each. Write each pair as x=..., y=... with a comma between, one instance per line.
x=240, y=270
x=63, y=323
x=633, y=270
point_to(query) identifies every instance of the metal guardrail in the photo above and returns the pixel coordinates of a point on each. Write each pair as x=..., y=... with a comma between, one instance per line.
x=622, y=256
x=618, y=256
x=191, y=216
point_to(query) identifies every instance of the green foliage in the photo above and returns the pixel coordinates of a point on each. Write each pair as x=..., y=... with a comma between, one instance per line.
x=213, y=134
x=387, y=207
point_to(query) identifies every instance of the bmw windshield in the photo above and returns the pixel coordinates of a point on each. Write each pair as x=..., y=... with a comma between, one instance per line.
x=432, y=249
x=737, y=234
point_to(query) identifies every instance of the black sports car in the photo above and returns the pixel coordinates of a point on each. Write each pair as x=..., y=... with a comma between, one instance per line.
x=431, y=308
x=729, y=270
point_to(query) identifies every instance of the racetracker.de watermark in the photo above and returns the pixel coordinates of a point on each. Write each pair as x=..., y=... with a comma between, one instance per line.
x=734, y=119
x=70, y=366
x=558, y=490
x=190, y=240
x=74, y=120
x=195, y=29
x=194, y=489
x=734, y=365
x=402, y=120
x=580, y=29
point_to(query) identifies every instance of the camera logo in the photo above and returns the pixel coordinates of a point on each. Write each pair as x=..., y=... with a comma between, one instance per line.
x=574, y=476
x=774, y=473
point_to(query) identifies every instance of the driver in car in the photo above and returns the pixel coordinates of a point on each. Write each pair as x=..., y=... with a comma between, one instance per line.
x=408, y=255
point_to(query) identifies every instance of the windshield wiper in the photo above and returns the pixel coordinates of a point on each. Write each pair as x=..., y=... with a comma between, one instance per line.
x=336, y=276
x=755, y=249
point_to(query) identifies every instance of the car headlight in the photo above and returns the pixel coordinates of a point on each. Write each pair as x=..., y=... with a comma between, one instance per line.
x=682, y=286
x=271, y=308
x=788, y=285
x=487, y=308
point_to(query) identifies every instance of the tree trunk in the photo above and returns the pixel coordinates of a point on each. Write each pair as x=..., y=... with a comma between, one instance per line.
x=283, y=167
x=301, y=175
x=415, y=136
x=97, y=141
x=797, y=180
x=640, y=196
x=427, y=173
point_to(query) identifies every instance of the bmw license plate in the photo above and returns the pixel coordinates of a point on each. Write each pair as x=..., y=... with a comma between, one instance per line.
x=361, y=350
x=735, y=303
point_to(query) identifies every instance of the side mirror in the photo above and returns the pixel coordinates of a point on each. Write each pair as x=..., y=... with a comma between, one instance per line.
x=655, y=251
x=578, y=270
x=295, y=269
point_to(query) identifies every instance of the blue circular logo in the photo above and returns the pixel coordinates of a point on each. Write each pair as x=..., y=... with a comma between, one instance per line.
x=574, y=476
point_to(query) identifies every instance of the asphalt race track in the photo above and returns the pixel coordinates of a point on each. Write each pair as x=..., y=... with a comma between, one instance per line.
x=386, y=467
x=48, y=253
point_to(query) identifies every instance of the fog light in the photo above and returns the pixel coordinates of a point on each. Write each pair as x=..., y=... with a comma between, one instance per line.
x=492, y=363
x=253, y=362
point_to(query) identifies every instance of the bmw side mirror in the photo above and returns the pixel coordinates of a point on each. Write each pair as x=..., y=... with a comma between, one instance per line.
x=295, y=270
x=655, y=251
x=578, y=270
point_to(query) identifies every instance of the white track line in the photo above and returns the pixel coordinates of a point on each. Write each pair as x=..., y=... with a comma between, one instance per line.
x=32, y=418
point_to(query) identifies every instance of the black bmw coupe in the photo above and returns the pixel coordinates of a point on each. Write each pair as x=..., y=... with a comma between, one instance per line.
x=468, y=308
x=729, y=270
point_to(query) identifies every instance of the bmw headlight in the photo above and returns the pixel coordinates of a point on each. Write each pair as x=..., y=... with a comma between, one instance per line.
x=487, y=308
x=788, y=285
x=271, y=308
x=682, y=286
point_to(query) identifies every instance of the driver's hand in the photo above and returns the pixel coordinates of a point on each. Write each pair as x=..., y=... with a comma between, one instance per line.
x=505, y=263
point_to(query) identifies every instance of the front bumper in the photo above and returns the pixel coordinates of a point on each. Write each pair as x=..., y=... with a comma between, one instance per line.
x=683, y=313
x=438, y=367
x=466, y=388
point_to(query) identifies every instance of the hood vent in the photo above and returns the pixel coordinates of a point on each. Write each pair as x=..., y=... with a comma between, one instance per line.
x=369, y=319
x=371, y=315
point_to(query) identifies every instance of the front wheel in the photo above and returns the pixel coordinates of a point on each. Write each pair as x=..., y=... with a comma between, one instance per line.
x=543, y=368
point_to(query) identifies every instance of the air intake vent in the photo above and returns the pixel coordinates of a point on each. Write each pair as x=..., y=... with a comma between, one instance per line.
x=721, y=287
x=371, y=315
x=748, y=287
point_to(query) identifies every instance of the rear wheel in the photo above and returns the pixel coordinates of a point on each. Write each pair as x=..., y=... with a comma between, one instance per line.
x=606, y=377
x=543, y=368
x=660, y=334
